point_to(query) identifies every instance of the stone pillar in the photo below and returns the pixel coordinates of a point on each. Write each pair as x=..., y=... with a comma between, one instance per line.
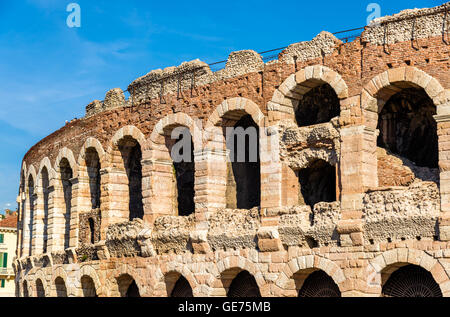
x=210, y=180
x=443, y=131
x=26, y=224
x=159, y=195
x=357, y=173
x=38, y=222
x=271, y=168
x=114, y=198
x=56, y=212
x=73, y=217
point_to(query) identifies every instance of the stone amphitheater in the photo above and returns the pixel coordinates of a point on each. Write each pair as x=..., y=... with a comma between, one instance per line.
x=352, y=198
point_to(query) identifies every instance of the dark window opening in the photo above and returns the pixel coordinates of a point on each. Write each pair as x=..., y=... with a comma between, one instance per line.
x=132, y=157
x=31, y=213
x=66, y=179
x=408, y=129
x=91, y=230
x=244, y=178
x=133, y=290
x=61, y=290
x=319, y=105
x=319, y=284
x=88, y=286
x=25, y=289
x=411, y=281
x=182, y=288
x=185, y=178
x=317, y=183
x=40, y=288
x=244, y=285
x=45, y=185
x=93, y=171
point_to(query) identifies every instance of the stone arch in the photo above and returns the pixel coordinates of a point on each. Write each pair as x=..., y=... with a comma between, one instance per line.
x=64, y=233
x=29, y=209
x=236, y=104
x=381, y=267
x=59, y=273
x=67, y=154
x=229, y=267
x=169, y=275
x=31, y=173
x=287, y=97
x=89, y=271
x=91, y=143
x=124, y=166
x=91, y=161
x=383, y=86
x=307, y=264
x=40, y=275
x=231, y=177
x=128, y=272
x=44, y=178
x=178, y=285
x=26, y=289
x=176, y=177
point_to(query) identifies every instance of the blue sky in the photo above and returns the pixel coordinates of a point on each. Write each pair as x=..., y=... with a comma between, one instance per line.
x=50, y=72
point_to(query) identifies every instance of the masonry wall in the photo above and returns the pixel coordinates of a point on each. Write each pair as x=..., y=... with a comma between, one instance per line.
x=372, y=229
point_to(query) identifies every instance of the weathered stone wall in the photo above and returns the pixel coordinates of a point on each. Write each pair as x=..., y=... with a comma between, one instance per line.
x=388, y=212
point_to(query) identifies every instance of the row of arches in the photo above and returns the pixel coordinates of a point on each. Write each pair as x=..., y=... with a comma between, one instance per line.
x=404, y=281
x=137, y=177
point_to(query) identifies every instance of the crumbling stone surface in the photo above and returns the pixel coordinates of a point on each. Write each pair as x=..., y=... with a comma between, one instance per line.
x=171, y=234
x=300, y=146
x=323, y=44
x=420, y=23
x=122, y=238
x=233, y=229
x=402, y=212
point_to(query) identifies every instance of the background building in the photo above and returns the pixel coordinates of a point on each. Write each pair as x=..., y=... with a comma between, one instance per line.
x=8, y=244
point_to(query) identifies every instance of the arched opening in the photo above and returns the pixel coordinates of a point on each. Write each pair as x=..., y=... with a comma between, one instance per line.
x=23, y=213
x=178, y=286
x=407, y=127
x=30, y=213
x=130, y=150
x=243, y=170
x=315, y=284
x=317, y=183
x=66, y=180
x=40, y=291
x=411, y=281
x=88, y=286
x=25, y=289
x=45, y=191
x=60, y=286
x=127, y=286
x=319, y=105
x=91, y=230
x=243, y=285
x=181, y=150
x=93, y=171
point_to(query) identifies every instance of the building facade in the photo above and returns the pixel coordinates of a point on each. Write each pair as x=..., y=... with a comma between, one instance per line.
x=8, y=245
x=349, y=194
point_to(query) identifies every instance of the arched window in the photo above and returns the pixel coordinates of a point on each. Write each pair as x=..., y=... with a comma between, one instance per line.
x=243, y=172
x=127, y=286
x=318, y=284
x=408, y=129
x=25, y=289
x=30, y=213
x=88, y=286
x=66, y=179
x=244, y=285
x=318, y=105
x=40, y=291
x=411, y=281
x=177, y=285
x=60, y=286
x=317, y=183
x=93, y=171
x=45, y=191
x=130, y=151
